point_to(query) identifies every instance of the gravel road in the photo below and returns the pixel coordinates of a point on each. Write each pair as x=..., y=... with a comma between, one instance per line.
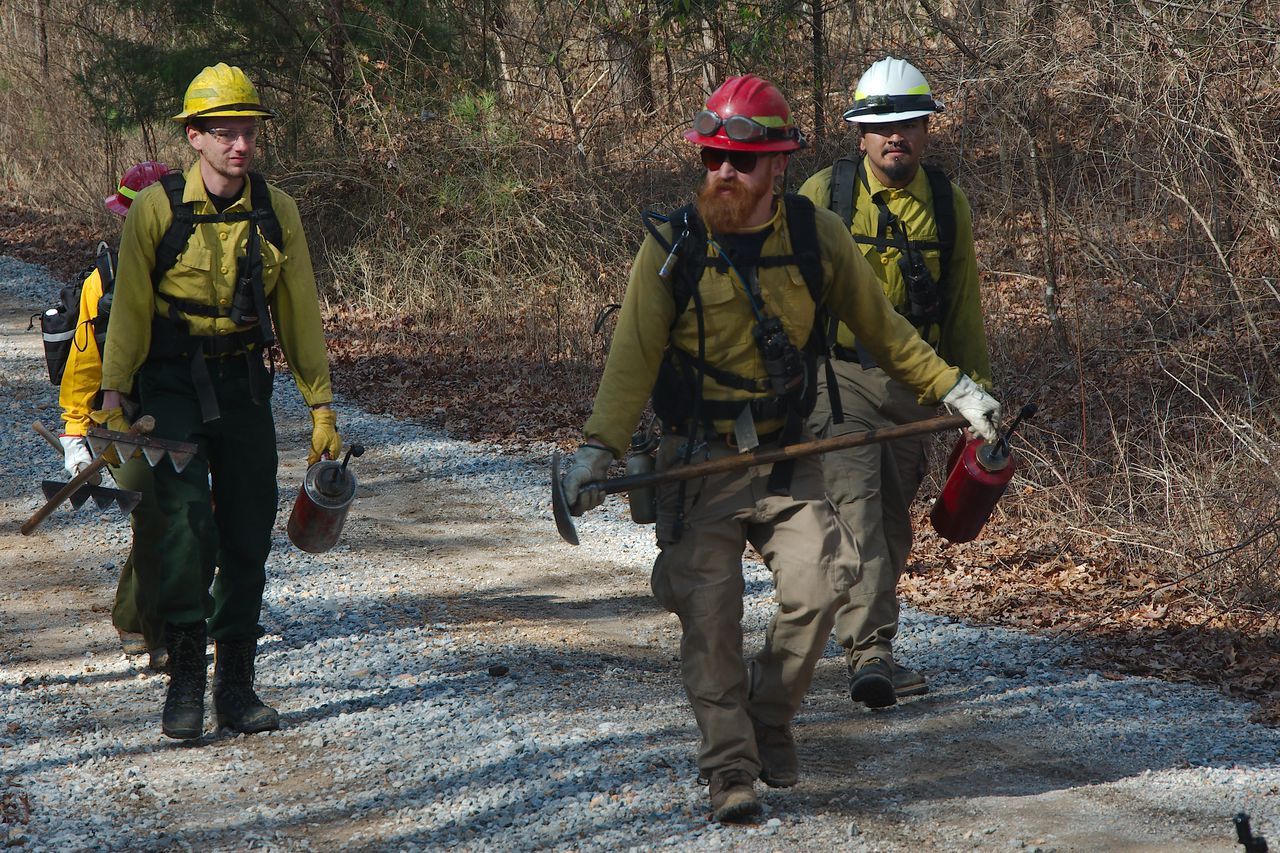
x=453, y=676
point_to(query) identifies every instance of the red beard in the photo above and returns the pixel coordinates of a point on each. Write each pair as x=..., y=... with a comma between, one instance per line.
x=726, y=212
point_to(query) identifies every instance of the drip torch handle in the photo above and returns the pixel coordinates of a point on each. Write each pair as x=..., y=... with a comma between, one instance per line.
x=1027, y=411
x=356, y=450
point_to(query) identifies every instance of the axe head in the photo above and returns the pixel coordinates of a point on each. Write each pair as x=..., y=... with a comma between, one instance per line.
x=560, y=506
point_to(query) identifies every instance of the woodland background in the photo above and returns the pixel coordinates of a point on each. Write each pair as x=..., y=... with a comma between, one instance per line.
x=471, y=175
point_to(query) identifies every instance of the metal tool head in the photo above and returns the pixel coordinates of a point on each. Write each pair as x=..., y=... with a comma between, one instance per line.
x=560, y=505
x=102, y=496
x=153, y=449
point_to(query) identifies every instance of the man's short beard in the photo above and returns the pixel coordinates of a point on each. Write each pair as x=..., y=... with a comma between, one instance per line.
x=726, y=215
x=899, y=172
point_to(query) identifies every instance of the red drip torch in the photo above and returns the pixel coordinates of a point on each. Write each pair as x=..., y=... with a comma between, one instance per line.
x=979, y=474
x=323, y=501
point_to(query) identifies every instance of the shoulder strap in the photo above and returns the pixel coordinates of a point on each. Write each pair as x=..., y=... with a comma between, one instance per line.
x=180, y=230
x=105, y=263
x=844, y=188
x=802, y=225
x=944, y=217
x=260, y=199
x=691, y=244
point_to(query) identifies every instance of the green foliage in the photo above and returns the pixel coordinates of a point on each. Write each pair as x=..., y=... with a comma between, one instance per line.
x=328, y=53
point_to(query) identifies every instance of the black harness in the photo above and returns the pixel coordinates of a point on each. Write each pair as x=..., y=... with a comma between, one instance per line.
x=926, y=297
x=171, y=337
x=789, y=392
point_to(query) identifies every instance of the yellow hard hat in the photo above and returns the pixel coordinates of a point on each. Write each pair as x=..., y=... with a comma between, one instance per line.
x=221, y=90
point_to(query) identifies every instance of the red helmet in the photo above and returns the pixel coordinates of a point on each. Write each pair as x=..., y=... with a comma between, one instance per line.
x=134, y=181
x=746, y=114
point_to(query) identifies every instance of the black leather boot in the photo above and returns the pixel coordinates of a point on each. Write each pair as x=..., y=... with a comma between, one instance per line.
x=183, y=716
x=236, y=705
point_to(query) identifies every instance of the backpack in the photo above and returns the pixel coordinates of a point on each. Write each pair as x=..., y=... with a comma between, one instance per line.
x=926, y=298
x=61, y=327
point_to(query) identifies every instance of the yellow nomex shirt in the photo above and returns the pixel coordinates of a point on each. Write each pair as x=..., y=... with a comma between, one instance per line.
x=206, y=273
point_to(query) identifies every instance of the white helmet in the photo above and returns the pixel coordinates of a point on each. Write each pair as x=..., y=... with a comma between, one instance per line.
x=891, y=90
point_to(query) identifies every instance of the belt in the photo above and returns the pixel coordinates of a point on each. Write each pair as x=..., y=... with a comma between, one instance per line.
x=728, y=439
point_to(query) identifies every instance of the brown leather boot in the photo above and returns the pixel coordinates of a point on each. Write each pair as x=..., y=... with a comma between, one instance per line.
x=872, y=684
x=733, y=796
x=779, y=766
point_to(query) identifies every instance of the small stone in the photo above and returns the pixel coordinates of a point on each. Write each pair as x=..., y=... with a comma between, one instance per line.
x=498, y=670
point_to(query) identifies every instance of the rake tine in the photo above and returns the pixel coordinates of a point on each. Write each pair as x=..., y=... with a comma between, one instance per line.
x=97, y=445
x=153, y=455
x=180, y=459
x=78, y=497
x=128, y=501
x=102, y=497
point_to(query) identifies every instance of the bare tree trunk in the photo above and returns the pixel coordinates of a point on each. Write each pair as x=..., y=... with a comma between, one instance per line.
x=336, y=60
x=43, y=30
x=710, y=77
x=630, y=51
x=499, y=20
x=819, y=60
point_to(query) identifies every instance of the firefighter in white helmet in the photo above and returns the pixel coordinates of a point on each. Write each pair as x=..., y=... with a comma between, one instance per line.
x=915, y=228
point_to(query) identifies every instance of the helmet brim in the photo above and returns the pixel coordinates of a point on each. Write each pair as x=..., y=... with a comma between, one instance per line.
x=223, y=112
x=724, y=143
x=853, y=117
x=116, y=204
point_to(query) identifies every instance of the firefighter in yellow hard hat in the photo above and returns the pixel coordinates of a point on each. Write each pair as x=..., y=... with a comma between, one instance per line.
x=208, y=260
x=915, y=228
x=718, y=320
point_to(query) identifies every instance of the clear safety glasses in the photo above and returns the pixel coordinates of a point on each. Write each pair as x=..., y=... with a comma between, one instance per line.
x=738, y=128
x=229, y=136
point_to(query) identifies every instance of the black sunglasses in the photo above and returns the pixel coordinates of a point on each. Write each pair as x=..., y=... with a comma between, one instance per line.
x=741, y=161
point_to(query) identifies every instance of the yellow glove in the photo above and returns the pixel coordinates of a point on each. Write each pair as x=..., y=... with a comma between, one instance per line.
x=112, y=419
x=325, y=440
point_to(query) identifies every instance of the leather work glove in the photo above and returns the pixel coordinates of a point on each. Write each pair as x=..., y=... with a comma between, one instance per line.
x=112, y=419
x=75, y=453
x=325, y=440
x=979, y=408
x=589, y=463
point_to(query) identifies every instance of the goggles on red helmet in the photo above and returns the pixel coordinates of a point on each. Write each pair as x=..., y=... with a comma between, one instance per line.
x=740, y=128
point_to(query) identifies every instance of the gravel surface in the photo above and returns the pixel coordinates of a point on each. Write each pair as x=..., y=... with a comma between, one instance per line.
x=453, y=676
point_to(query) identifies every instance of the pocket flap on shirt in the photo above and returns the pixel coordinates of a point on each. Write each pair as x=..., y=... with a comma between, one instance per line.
x=715, y=289
x=196, y=257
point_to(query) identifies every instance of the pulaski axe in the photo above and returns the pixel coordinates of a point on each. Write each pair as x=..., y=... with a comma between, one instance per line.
x=564, y=516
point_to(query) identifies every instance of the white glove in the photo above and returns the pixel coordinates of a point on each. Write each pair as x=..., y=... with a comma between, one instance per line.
x=75, y=453
x=979, y=408
x=589, y=464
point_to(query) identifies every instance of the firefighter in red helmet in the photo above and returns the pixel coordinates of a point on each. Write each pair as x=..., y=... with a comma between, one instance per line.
x=722, y=320
x=78, y=390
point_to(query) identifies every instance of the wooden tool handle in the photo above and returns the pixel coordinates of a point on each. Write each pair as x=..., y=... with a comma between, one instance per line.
x=48, y=436
x=141, y=426
x=726, y=464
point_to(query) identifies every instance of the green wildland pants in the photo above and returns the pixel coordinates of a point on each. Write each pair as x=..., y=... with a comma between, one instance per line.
x=872, y=487
x=231, y=525
x=699, y=578
x=134, y=610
